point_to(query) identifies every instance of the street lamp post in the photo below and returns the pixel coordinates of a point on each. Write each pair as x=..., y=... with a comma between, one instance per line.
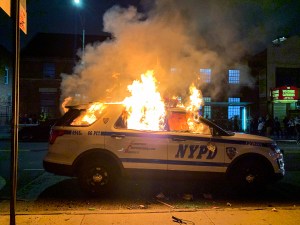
x=78, y=4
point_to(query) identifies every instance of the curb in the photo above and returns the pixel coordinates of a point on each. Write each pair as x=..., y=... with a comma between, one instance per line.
x=150, y=211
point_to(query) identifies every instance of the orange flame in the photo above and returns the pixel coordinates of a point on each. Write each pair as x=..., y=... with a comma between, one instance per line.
x=145, y=107
x=90, y=116
x=195, y=99
x=65, y=102
x=192, y=108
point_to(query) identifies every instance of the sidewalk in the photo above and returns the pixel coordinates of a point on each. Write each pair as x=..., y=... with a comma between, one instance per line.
x=243, y=216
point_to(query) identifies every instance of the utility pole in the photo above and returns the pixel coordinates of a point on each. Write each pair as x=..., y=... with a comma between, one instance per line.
x=15, y=9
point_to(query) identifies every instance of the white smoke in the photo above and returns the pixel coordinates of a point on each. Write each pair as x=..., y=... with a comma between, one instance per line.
x=185, y=35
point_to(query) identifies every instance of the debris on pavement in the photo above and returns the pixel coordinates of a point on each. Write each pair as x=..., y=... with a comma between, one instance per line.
x=143, y=207
x=207, y=196
x=228, y=204
x=160, y=195
x=274, y=210
x=181, y=221
x=165, y=203
x=188, y=197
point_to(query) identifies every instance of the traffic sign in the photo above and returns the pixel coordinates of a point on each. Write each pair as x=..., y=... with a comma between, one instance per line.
x=5, y=5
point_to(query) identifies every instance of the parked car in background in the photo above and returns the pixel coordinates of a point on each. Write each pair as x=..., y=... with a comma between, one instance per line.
x=36, y=132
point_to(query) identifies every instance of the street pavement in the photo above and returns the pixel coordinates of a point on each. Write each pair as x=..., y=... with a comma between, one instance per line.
x=215, y=216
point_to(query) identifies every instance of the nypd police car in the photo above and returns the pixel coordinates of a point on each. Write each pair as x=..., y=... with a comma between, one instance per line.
x=101, y=151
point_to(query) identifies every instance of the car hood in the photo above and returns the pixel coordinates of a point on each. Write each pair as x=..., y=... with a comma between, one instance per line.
x=251, y=137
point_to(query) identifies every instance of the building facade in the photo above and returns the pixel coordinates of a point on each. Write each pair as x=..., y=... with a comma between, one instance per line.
x=5, y=86
x=230, y=98
x=278, y=71
x=43, y=61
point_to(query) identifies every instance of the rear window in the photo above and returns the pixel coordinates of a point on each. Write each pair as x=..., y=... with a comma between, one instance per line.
x=86, y=116
x=69, y=117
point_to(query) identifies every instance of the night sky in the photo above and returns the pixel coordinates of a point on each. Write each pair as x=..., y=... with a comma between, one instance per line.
x=267, y=18
x=61, y=16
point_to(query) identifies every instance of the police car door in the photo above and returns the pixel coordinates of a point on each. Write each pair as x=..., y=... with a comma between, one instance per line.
x=195, y=151
x=136, y=149
x=139, y=149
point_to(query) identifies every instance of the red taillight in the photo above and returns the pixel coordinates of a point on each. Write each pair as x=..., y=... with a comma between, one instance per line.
x=54, y=134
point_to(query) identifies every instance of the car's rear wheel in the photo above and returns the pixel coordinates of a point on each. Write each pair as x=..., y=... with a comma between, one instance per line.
x=97, y=177
x=250, y=174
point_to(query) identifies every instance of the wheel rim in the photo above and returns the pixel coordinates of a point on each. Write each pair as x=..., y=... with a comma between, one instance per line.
x=98, y=177
x=250, y=178
x=253, y=176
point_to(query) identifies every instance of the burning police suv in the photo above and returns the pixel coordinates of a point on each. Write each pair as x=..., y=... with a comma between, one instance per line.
x=99, y=144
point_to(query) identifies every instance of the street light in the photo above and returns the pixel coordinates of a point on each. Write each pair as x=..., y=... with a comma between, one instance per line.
x=78, y=4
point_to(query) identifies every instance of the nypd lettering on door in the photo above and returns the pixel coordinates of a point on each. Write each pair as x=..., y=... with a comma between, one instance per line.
x=196, y=151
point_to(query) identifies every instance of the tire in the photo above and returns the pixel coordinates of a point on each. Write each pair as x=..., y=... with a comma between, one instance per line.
x=249, y=175
x=97, y=177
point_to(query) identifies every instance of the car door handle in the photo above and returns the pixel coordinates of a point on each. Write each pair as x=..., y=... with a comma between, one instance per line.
x=117, y=136
x=178, y=139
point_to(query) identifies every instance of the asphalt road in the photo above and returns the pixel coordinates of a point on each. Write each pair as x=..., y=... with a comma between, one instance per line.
x=37, y=188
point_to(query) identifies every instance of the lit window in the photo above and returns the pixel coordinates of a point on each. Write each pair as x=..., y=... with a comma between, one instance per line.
x=234, y=99
x=205, y=75
x=233, y=110
x=206, y=99
x=234, y=77
x=6, y=76
x=207, y=108
x=49, y=70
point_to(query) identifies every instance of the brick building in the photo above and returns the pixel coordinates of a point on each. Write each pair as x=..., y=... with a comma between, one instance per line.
x=43, y=60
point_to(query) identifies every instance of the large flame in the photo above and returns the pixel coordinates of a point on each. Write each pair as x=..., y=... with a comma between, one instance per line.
x=146, y=110
x=193, y=107
x=195, y=100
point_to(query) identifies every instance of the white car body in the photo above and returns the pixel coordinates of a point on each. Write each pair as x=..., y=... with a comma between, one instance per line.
x=156, y=151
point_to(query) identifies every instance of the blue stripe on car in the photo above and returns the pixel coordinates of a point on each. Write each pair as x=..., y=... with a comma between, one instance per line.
x=174, y=162
x=193, y=138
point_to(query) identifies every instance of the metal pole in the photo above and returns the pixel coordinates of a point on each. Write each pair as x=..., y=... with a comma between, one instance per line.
x=83, y=37
x=15, y=110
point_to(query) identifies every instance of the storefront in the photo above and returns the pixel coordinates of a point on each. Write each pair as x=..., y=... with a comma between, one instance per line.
x=285, y=102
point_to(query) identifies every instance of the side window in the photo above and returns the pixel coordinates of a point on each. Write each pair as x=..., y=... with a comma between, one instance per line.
x=201, y=128
x=177, y=121
x=185, y=122
x=122, y=121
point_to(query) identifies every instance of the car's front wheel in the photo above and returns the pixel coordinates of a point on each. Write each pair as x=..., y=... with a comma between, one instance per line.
x=251, y=174
x=97, y=177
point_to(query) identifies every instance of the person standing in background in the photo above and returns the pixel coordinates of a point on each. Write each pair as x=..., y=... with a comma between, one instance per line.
x=269, y=125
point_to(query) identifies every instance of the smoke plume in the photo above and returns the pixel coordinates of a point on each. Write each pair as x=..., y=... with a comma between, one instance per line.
x=175, y=39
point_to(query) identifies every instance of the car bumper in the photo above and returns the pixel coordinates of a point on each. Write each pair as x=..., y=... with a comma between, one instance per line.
x=59, y=169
